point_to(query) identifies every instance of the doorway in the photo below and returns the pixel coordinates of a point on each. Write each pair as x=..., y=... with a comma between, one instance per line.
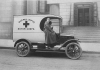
x=83, y=14
x=83, y=17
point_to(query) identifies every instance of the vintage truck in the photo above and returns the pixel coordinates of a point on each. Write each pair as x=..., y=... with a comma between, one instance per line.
x=28, y=35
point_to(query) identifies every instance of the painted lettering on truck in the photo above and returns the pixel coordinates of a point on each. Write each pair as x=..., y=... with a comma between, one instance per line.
x=26, y=24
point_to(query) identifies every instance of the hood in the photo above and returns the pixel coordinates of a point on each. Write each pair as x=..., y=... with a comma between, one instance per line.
x=65, y=34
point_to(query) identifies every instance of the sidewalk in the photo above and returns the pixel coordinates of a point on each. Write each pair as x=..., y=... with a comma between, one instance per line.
x=6, y=43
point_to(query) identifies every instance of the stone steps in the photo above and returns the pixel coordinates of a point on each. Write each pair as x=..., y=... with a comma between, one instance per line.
x=84, y=34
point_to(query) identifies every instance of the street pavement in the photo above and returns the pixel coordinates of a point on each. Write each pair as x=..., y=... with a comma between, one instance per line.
x=47, y=61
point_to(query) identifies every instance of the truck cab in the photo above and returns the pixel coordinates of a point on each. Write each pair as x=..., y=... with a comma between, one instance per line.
x=28, y=32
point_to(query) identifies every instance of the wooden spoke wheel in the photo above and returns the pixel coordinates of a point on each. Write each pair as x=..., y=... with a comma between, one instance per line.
x=73, y=51
x=22, y=49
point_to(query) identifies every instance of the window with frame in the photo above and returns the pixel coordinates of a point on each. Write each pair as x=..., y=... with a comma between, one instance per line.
x=43, y=7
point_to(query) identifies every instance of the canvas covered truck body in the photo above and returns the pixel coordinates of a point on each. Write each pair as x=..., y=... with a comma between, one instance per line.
x=28, y=31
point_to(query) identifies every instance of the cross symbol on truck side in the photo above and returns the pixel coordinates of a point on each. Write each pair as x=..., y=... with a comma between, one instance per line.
x=26, y=24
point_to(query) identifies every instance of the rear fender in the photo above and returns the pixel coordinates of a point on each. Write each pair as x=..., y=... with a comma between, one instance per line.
x=70, y=41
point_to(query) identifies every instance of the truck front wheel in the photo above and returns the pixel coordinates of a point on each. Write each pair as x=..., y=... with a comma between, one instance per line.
x=73, y=51
x=22, y=48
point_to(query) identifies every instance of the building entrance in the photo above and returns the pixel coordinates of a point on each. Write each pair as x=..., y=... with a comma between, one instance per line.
x=83, y=15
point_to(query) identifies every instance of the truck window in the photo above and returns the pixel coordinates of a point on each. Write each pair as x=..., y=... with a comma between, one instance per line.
x=55, y=22
x=55, y=25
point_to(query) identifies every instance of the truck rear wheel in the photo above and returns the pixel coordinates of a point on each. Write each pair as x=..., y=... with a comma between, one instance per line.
x=22, y=48
x=73, y=51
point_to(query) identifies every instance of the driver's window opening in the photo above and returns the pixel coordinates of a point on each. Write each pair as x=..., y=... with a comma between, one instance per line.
x=55, y=24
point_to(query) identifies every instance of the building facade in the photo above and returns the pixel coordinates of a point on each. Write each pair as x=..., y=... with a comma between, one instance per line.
x=80, y=18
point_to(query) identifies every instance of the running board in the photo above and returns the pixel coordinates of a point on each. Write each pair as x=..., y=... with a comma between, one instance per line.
x=57, y=47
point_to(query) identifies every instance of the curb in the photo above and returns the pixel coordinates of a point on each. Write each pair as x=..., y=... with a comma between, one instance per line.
x=7, y=48
x=91, y=52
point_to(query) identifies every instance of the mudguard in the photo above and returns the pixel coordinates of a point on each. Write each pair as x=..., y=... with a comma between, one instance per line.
x=22, y=40
x=70, y=41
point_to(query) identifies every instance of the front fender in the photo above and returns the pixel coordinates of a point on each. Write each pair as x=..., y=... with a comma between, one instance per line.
x=70, y=41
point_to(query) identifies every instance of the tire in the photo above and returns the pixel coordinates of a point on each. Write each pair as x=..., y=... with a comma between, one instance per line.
x=73, y=51
x=22, y=49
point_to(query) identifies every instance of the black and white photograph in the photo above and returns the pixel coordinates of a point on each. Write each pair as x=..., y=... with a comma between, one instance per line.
x=49, y=34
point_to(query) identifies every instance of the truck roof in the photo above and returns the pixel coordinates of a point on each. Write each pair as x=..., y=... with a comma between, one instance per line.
x=38, y=16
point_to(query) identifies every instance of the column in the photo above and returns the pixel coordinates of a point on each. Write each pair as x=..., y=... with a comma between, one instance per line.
x=72, y=14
